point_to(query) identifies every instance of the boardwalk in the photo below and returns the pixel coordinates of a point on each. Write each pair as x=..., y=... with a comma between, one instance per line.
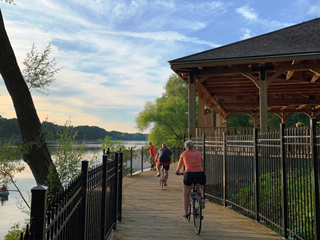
x=149, y=213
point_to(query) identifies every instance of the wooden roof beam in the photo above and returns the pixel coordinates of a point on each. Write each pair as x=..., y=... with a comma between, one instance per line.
x=215, y=103
x=281, y=69
x=315, y=78
x=290, y=73
x=316, y=75
x=315, y=107
x=201, y=80
x=253, y=78
x=301, y=107
x=178, y=65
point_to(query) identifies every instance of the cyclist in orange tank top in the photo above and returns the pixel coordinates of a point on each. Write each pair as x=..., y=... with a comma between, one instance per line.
x=193, y=162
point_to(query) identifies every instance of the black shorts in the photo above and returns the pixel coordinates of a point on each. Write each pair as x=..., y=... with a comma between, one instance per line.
x=194, y=177
x=164, y=166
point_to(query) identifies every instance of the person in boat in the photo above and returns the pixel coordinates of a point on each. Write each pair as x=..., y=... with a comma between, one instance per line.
x=3, y=189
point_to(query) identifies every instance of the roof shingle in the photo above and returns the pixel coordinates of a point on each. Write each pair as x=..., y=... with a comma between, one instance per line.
x=303, y=38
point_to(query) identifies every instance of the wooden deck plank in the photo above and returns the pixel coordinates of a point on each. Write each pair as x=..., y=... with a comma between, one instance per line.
x=151, y=213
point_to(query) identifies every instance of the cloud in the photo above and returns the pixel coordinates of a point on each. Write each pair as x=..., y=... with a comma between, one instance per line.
x=250, y=14
x=247, y=12
x=247, y=33
x=315, y=10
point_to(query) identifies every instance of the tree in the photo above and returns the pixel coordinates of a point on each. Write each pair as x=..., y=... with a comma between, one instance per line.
x=240, y=120
x=35, y=151
x=167, y=116
x=9, y=1
x=39, y=69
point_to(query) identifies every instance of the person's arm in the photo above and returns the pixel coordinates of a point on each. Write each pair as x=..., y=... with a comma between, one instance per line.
x=157, y=156
x=170, y=159
x=180, y=164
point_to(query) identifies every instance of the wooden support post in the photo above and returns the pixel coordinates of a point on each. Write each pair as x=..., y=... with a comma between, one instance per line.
x=263, y=99
x=201, y=114
x=192, y=105
x=284, y=118
x=255, y=120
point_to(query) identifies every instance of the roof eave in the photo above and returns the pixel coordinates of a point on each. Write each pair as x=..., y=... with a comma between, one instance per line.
x=270, y=58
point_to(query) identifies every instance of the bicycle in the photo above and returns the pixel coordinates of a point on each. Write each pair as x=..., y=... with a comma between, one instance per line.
x=195, y=208
x=161, y=176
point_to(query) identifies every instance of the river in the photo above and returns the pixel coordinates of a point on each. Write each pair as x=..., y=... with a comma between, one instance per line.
x=10, y=213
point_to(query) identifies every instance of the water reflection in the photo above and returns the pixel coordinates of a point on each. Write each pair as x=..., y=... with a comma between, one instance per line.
x=3, y=199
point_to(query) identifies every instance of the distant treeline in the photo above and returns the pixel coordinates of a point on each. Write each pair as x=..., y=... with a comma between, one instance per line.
x=9, y=128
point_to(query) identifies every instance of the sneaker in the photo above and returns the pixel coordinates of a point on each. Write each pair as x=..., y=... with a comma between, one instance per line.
x=165, y=185
x=185, y=217
x=158, y=175
x=203, y=203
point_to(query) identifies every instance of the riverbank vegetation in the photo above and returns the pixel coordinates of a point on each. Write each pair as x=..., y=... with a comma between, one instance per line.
x=9, y=128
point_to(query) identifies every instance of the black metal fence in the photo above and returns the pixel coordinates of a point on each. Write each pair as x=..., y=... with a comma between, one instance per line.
x=88, y=208
x=270, y=177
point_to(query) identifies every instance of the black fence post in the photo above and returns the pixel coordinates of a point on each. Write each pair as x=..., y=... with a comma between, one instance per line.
x=131, y=160
x=315, y=176
x=284, y=182
x=141, y=159
x=84, y=193
x=104, y=192
x=120, y=187
x=256, y=174
x=116, y=194
x=204, y=159
x=224, y=178
x=38, y=212
x=184, y=140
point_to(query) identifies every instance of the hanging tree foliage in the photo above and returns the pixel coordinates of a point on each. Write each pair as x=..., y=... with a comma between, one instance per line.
x=167, y=116
x=35, y=151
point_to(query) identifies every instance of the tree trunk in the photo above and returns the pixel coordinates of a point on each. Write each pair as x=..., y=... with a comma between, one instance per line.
x=35, y=151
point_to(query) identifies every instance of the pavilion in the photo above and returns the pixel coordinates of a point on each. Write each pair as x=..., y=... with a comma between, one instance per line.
x=276, y=72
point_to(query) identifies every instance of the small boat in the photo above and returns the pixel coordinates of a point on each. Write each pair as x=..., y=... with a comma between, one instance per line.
x=4, y=194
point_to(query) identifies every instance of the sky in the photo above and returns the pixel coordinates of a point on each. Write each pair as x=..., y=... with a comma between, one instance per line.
x=114, y=53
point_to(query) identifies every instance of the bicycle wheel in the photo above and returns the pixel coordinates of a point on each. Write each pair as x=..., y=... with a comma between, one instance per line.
x=161, y=177
x=197, y=214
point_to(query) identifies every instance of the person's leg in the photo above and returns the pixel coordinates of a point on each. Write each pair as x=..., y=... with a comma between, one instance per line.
x=186, y=198
x=154, y=162
x=158, y=169
x=199, y=188
x=166, y=175
x=151, y=162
